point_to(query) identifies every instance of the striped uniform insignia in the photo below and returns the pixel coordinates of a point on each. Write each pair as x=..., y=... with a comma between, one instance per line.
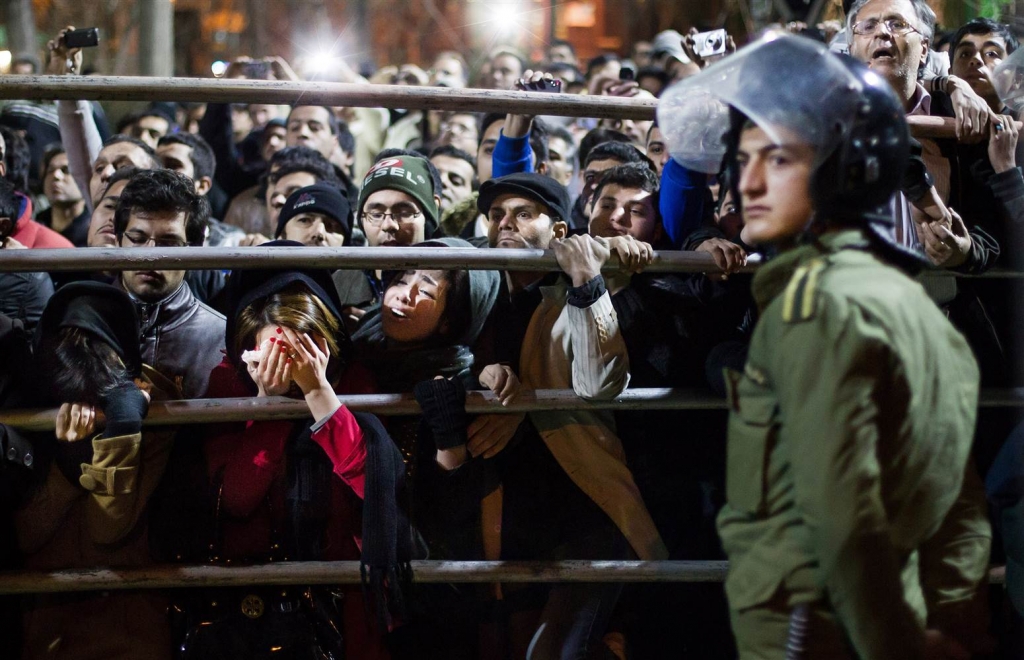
x=799, y=302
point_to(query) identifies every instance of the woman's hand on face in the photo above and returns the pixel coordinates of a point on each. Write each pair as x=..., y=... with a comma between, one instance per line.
x=75, y=421
x=308, y=359
x=273, y=373
x=501, y=380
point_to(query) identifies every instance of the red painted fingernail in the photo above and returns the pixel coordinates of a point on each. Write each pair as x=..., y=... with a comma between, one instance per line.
x=279, y=331
x=284, y=349
x=273, y=339
x=288, y=361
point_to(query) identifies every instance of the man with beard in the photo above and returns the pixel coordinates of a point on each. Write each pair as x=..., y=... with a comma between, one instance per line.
x=567, y=491
x=181, y=337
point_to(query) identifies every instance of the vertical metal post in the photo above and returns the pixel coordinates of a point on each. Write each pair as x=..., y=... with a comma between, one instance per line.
x=21, y=28
x=553, y=20
x=156, y=38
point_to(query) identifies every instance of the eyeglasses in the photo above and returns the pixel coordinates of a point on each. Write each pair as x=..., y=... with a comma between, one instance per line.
x=401, y=216
x=894, y=26
x=456, y=129
x=141, y=240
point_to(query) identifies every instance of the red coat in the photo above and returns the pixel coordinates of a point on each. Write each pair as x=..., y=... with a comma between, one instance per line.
x=31, y=234
x=248, y=460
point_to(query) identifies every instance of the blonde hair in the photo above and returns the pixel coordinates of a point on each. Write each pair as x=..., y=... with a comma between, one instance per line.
x=295, y=308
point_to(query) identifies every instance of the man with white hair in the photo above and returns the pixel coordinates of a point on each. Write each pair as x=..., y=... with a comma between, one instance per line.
x=892, y=38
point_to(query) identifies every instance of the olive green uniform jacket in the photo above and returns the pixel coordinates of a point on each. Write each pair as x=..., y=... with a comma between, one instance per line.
x=849, y=487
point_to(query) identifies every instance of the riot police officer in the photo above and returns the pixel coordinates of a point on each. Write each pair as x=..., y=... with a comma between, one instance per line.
x=854, y=524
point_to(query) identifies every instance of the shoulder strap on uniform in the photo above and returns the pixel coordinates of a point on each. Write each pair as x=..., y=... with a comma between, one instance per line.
x=799, y=302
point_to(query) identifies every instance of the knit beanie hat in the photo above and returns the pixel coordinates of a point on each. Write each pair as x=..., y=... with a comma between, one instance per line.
x=323, y=198
x=408, y=174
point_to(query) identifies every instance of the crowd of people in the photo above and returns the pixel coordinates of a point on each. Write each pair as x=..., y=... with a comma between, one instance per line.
x=849, y=498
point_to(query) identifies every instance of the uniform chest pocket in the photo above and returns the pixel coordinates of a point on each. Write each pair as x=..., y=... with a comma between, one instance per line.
x=752, y=417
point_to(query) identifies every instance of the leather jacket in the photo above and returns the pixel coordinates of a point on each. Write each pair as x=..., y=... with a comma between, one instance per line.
x=181, y=338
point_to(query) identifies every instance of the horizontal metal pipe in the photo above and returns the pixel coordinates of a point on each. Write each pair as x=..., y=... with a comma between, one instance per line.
x=365, y=95
x=223, y=258
x=926, y=126
x=210, y=411
x=347, y=572
x=217, y=258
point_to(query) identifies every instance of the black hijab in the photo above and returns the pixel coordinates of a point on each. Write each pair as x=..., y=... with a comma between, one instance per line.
x=387, y=537
x=101, y=309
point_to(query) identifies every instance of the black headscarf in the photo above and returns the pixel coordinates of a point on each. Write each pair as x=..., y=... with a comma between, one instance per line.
x=387, y=536
x=245, y=287
x=101, y=309
x=399, y=368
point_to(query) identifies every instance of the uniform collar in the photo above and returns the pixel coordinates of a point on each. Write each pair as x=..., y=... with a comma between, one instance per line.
x=773, y=277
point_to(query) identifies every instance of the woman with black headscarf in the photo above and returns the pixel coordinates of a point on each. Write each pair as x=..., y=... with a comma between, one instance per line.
x=323, y=488
x=419, y=340
x=88, y=510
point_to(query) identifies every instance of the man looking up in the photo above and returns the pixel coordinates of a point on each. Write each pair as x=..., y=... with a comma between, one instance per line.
x=669, y=323
x=181, y=337
x=560, y=330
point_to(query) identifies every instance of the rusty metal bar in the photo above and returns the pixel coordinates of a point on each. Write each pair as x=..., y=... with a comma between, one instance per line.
x=211, y=411
x=217, y=258
x=308, y=92
x=347, y=572
x=202, y=258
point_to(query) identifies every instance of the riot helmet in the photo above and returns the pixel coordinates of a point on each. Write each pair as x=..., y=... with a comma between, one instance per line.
x=793, y=87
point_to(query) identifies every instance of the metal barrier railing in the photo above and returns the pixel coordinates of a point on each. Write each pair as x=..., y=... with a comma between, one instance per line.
x=309, y=92
x=218, y=258
x=192, y=258
x=212, y=411
x=347, y=572
x=228, y=410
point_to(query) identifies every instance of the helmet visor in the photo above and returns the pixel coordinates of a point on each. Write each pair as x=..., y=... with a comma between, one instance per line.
x=1008, y=80
x=791, y=87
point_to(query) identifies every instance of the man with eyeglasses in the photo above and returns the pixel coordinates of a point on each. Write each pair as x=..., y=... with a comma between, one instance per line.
x=892, y=38
x=181, y=337
x=399, y=205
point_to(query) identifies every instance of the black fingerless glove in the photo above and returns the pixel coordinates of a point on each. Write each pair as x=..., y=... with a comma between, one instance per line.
x=444, y=409
x=916, y=181
x=124, y=407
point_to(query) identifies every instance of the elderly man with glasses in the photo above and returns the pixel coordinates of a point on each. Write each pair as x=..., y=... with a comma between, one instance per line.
x=181, y=337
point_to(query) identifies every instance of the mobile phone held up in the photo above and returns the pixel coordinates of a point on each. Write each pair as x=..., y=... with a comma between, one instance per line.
x=544, y=85
x=627, y=73
x=82, y=38
x=706, y=44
